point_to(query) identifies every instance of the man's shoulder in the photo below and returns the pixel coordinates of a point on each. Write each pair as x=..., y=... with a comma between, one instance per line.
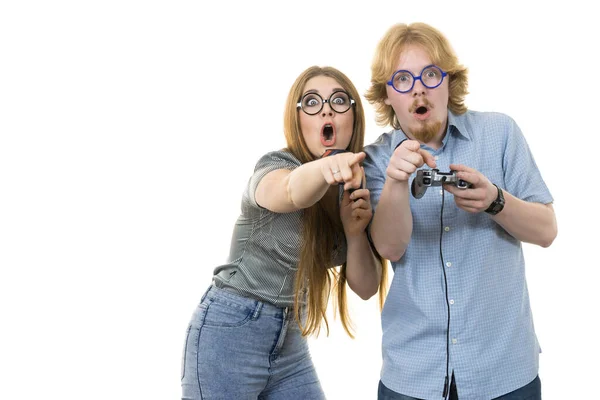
x=485, y=118
x=485, y=125
x=383, y=143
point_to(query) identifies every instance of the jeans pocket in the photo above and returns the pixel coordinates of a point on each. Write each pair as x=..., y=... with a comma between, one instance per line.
x=185, y=350
x=223, y=313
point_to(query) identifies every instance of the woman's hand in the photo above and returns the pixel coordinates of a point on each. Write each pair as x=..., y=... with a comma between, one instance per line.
x=343, y=168
x=356, y=211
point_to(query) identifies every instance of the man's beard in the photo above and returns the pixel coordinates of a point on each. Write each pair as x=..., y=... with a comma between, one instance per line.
x=427, y=131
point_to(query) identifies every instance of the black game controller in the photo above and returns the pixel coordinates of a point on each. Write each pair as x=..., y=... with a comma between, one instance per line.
x=434, y=177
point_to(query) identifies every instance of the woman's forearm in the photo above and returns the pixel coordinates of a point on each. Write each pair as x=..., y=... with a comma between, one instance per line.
x=363, y=268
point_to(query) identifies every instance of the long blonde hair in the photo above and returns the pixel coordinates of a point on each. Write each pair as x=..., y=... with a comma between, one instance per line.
x=387, y=54
x=322, y=226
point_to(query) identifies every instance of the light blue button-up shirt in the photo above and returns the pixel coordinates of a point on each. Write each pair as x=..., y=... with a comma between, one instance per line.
x=492, y=343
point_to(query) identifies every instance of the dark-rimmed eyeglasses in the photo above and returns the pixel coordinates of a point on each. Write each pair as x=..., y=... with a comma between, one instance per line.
x=431, y=77
x=312, y=103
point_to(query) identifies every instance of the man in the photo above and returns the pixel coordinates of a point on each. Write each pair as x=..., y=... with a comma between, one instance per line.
x=457, y=320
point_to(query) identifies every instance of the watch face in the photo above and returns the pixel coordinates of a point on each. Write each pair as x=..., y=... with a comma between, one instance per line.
x=497, y=205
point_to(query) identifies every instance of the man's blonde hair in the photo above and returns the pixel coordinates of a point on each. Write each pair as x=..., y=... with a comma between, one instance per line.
x=394, y=42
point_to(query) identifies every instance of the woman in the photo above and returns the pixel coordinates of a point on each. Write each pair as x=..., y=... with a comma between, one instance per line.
x=247, y=338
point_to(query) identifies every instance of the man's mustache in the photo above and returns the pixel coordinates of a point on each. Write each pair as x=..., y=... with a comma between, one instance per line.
x=420, y=102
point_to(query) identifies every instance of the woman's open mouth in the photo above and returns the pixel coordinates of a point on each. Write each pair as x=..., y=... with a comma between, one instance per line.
x=328, y=135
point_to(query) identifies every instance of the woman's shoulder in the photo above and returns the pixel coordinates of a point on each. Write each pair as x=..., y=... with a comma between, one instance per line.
x=281, y=158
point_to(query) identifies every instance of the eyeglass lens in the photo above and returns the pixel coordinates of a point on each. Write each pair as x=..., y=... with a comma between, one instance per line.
x=430, y=76
x=339, y=102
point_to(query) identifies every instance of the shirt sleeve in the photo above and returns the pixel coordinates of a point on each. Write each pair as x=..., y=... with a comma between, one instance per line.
x=269, y=162
x=375, y=165
x=522, y=177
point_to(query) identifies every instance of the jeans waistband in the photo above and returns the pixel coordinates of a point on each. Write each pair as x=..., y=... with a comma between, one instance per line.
x=236, y=297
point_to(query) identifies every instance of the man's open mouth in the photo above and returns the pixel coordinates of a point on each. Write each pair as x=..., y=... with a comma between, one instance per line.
x=421, y=110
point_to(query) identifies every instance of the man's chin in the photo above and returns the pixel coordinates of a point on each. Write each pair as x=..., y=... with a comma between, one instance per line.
x=427, y=132
x=424, y=137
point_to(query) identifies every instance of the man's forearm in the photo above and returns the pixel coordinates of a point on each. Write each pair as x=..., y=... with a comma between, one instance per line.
x=391, y=228
x=528, y=222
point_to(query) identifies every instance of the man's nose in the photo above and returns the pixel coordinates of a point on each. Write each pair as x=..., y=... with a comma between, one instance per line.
x=418, y=88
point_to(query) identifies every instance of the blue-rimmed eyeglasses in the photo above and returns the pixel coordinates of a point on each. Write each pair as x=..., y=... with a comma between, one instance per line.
x=403, y=81
x=339, y=101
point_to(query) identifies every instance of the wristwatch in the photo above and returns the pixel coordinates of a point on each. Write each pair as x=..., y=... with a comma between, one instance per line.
x=498, y=204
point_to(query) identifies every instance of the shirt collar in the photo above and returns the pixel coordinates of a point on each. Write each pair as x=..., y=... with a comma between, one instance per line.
x=456, y=123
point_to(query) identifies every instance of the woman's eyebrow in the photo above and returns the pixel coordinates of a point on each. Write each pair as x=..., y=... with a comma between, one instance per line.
x=317, y=91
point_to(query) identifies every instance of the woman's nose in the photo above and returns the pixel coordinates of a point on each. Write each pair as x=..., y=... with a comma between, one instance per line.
x=327, y=111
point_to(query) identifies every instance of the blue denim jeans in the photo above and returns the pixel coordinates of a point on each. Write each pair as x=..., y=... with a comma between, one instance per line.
x=240, y=348
x=531, y=391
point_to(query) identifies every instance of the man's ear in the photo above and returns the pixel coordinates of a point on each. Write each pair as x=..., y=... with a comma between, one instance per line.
x=387, y=101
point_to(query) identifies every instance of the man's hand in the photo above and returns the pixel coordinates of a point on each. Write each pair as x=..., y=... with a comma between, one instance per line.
x=406, y=159
x=481, y=194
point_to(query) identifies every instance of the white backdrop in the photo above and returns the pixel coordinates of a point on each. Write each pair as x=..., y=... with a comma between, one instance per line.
x=129, y=130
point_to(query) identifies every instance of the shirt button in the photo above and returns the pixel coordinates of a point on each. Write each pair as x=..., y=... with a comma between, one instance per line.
x=448, y=264
x=441, y=191
x=451, y=301
x=447, y=228
x=436, y=157
x=454, y=341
